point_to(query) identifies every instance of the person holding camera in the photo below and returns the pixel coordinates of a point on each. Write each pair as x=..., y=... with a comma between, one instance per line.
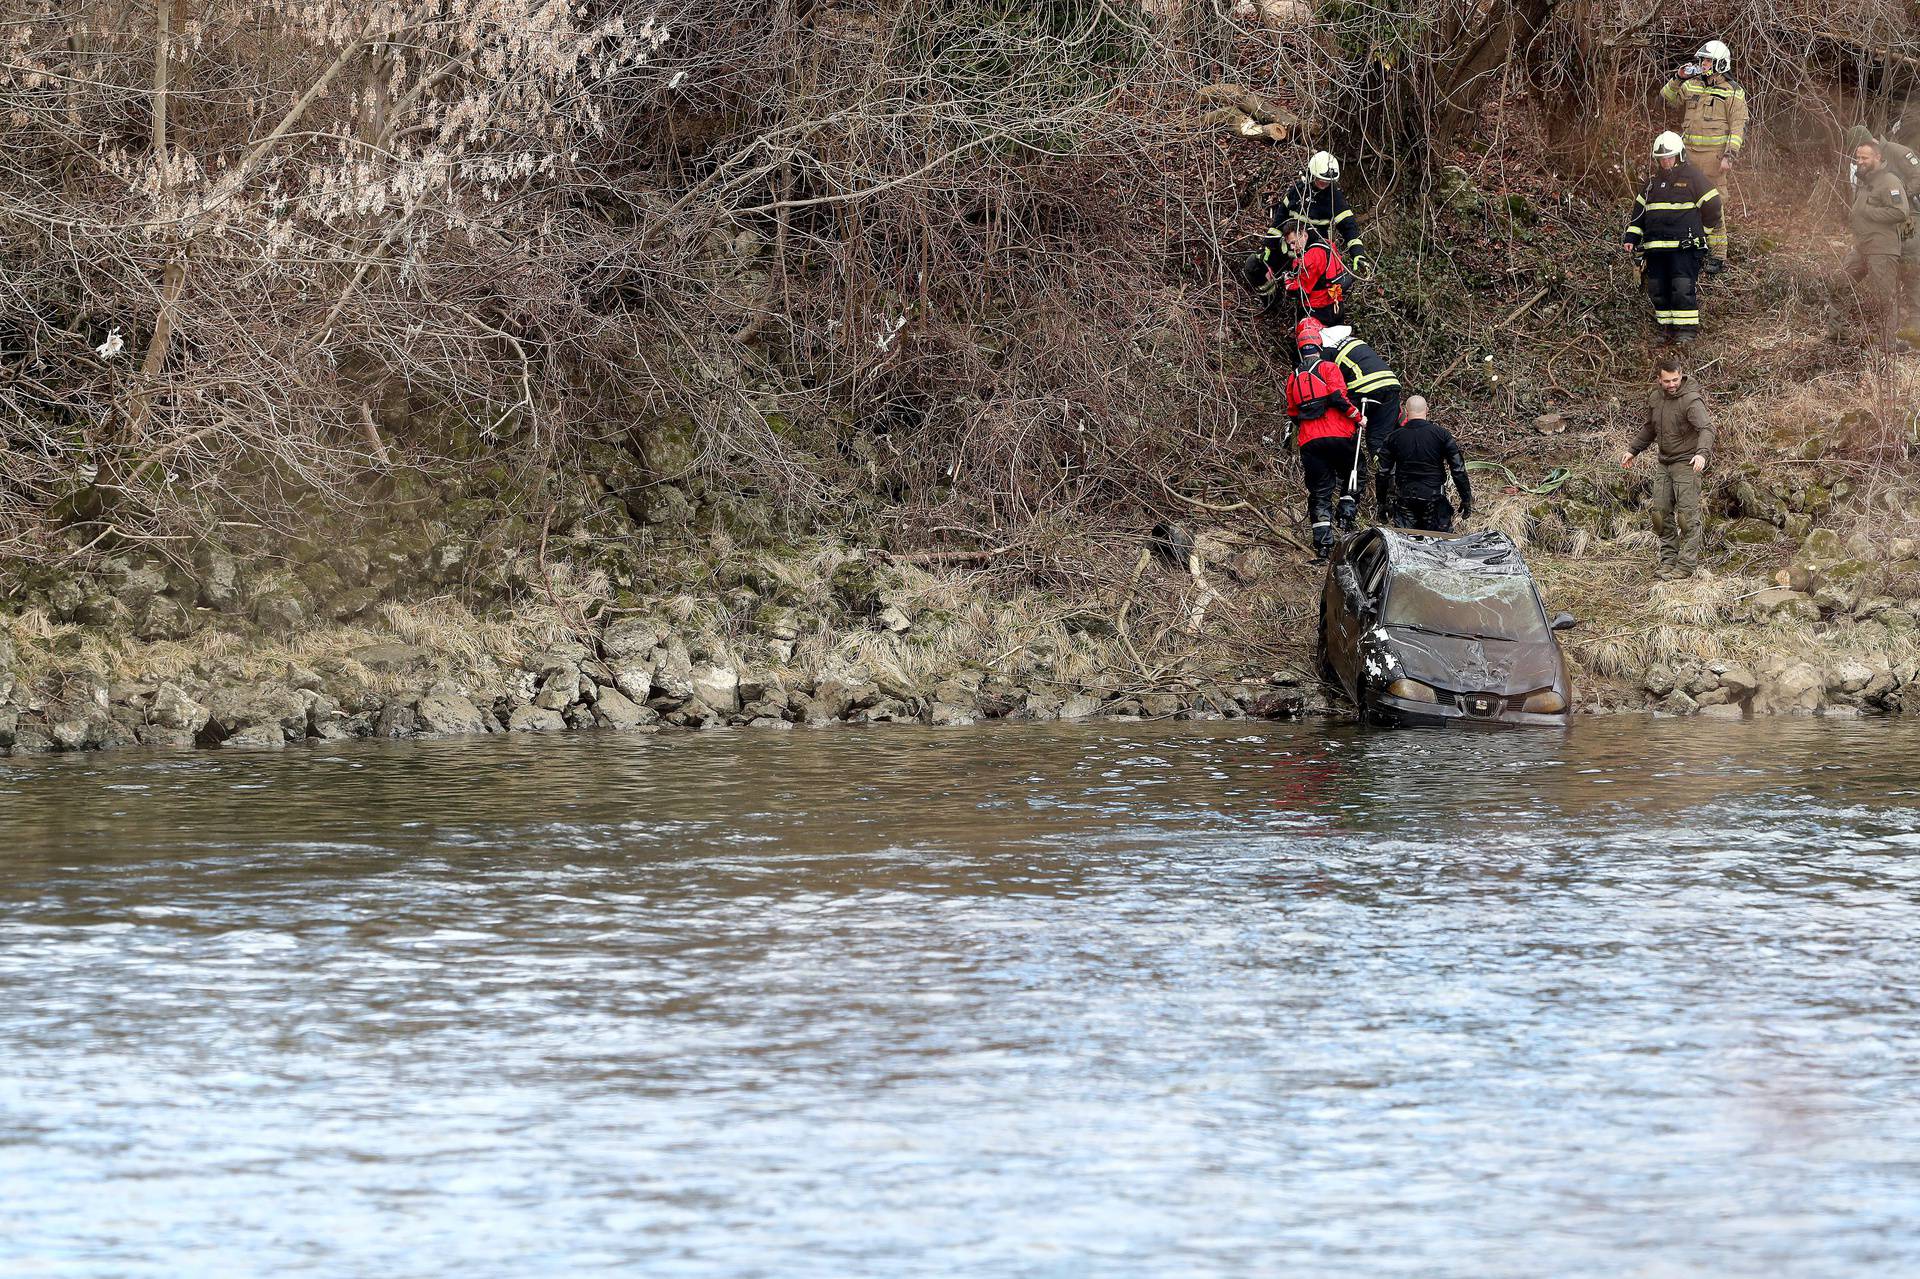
x=1713, y=125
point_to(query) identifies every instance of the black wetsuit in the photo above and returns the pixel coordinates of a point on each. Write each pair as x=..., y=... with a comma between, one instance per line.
x=1414, y=464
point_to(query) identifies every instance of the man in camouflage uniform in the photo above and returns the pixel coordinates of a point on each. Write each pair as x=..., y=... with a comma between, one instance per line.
x=1880, y=221
x=1905, y=164
x=1713, y=125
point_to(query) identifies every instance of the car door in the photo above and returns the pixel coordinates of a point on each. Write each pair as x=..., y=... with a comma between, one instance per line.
x=1364, y=562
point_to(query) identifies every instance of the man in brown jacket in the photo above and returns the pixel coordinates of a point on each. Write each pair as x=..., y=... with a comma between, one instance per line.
x=1678, y=418
x=1879, y=220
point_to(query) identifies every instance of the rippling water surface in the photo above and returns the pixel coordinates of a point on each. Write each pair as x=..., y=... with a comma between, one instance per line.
x=1643, y=999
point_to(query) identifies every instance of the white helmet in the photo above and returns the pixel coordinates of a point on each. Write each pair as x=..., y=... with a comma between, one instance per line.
x=1716, y=55
x=1323, y=167
x=1667, y=144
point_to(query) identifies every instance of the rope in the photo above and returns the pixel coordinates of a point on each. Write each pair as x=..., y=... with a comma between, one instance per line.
x=1554, y=478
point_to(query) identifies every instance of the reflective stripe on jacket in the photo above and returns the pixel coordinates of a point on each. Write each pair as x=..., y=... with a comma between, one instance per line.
x=1318, y=403
x=1363, y=368
x=1713, y=112
x=1674, y=211
x=1324, y=207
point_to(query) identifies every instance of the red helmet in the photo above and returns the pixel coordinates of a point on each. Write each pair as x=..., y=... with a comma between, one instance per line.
x=1307, y=332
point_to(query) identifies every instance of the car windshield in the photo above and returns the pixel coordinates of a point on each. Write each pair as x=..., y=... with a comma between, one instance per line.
x=1462, y=601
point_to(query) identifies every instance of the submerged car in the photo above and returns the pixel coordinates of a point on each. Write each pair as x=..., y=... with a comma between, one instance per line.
x=1434, y=629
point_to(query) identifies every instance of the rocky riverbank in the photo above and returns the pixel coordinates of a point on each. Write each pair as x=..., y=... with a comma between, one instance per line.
x=636, y=676
x=449, y=613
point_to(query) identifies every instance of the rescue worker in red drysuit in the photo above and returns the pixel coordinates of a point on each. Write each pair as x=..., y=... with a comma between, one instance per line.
x=1318, y=278
x=1327, y=428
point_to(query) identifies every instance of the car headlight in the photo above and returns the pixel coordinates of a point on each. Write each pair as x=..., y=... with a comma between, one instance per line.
x=1411, y=690
x=1544, y=702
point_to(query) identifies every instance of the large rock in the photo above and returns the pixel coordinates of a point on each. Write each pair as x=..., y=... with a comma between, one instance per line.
x=1849, y=677
x=397, y=719
x=9, y=724
x=634, y=679
x=137, y=584
x=616, y=710
x=717, y=686
x=161, y=618
x=1079, y=706
x=559, y=688
x=326, y=721
x=161, y=737
x=73, y=734
x=534, y=719
x=390, y=658
x=447, y=713
x=629, y=640
x=218, y=576
x=279, y=612
x=673, y=671
x=255, y=737
x=1799, y=689
x=235, y=710
x=1785, y=604
x=1822, y=546
x=173, y=709
x=1739, y=682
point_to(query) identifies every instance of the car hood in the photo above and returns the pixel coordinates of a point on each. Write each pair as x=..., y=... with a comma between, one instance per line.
x=1475, y=665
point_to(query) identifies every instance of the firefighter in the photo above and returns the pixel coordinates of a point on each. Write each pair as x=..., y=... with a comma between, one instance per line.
x=1713, y=124
x=1318, y=280
x=1414, y=464
x=1327, y=429
x=1371, y=382
x=1880, y=220
x=1671, y=218
x=1905, y=164
x=1315, y=195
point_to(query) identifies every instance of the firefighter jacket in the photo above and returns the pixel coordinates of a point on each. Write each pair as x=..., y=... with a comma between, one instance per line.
x=1713, y=112
x=1879, y=214
x=1365, y=371
x=1324, y=207
x=1681, y=423
x=1417, y=458
x=1318, y=402
x=1318, y=275
x=1674, y=211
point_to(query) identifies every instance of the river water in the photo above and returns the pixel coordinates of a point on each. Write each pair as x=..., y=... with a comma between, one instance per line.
x=1165, y=1000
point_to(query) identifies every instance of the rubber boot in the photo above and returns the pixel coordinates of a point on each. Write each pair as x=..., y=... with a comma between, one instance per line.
x=1684, y=336
x=1345, y=512
x=1322, y=542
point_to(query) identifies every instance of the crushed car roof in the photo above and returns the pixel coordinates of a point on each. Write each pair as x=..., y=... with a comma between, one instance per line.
x=1486, y=552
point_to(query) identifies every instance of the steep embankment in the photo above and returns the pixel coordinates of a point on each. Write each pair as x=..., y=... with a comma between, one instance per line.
x=642, y=590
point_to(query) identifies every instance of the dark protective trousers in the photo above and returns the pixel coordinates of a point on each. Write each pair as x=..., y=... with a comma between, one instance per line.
x=1672, y=280
x=1435, y=516
x=1382, y=408
x=1327, y=463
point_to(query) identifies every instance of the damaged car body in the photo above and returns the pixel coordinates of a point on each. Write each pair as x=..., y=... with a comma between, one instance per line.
x=1427, y=629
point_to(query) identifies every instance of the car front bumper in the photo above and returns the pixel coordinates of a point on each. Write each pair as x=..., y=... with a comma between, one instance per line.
x=1413, y=714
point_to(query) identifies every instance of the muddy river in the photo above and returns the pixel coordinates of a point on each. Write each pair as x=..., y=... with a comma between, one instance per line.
x=1169, y=1000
